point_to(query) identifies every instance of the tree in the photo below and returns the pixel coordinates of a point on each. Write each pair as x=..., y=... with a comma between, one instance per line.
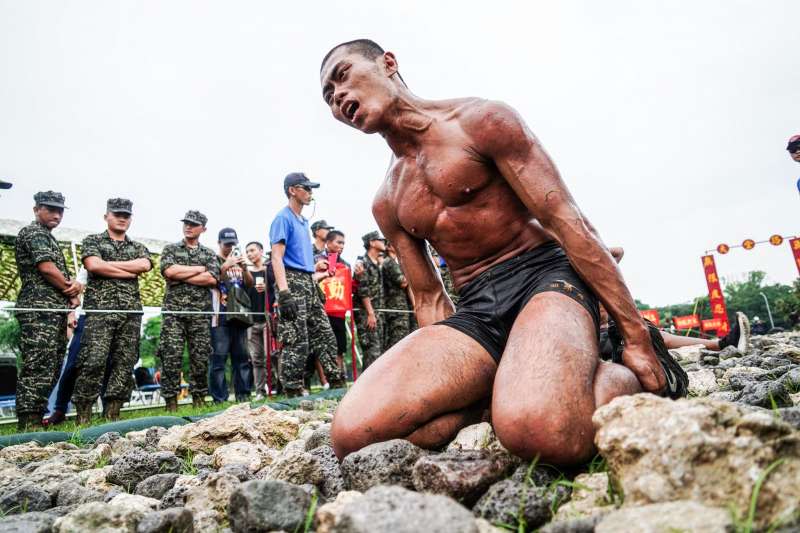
x=9, y=335
x=745, y=296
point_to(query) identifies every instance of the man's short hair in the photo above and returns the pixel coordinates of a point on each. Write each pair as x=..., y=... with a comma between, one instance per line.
x=365, y=47
x=332, y=234
x=260, y=246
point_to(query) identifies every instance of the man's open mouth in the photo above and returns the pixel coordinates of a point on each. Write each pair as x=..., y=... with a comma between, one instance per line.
x=350, y=109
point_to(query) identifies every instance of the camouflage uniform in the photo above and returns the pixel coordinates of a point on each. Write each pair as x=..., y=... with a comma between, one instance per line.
x=395, y=297
x=447, y=279
x=370, y=285
x=308, y=336
x=177, y=330
x=43, y=335
x=112, y=337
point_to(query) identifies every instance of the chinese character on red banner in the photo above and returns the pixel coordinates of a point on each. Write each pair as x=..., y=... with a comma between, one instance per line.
x=651, y=315
x=795, y=245
x=338, y=292
x=686, y=321
x=715, y=296
x=712, y=324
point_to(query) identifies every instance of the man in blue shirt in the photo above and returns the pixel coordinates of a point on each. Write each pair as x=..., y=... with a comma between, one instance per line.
x=303, y=327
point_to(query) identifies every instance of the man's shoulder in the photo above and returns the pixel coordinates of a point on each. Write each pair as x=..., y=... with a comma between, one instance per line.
x=94, y=237
x=30, y=230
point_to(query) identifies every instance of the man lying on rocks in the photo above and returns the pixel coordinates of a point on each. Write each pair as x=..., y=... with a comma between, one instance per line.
x=470, y=177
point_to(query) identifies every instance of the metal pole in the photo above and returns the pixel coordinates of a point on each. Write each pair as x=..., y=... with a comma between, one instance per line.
x=769, y=312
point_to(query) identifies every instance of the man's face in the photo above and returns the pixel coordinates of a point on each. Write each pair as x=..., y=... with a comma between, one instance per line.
x=378, y=244
x=302, y=193
x=357, y=90
x=118, y=222
x=254, y=253
x=48, y=216
x=192, y=231
x=226, y=248
x=321, y=233
x=336, y=246
x=796, y=155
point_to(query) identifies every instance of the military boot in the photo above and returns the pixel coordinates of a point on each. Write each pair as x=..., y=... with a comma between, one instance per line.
x=198, y=401
x=338, y=383
x=172, y=404
x=28, y=421
x=293, y=393
x=84, y=411
x=112, y=410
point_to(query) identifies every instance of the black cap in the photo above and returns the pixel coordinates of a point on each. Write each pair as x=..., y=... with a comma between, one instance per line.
x=228, y=236
x=297, y=178
x=5, y=185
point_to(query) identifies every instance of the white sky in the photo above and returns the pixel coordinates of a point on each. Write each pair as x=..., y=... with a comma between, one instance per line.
x=668, y=123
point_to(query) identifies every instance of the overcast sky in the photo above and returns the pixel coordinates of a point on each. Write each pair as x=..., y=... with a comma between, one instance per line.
x=668, y=122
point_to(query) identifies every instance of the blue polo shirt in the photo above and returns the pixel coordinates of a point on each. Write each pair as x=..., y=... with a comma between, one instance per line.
x=293, y=231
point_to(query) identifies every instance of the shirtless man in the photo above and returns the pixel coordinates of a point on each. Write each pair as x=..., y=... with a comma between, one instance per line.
x=471, y=178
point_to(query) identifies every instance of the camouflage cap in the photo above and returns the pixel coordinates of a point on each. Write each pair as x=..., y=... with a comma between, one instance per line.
x=320, y=224
x=51, y=198
x=195, y=217
x=119, y=205
x=372, y=236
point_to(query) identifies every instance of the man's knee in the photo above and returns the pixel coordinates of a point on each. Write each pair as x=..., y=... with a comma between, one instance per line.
x=555, y=436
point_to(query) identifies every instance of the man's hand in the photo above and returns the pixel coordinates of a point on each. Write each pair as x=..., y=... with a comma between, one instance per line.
x=642, y=360
x=287, y=307
x=72, y=321
x=232, y=261
x=372, y=322
x=73, y=288
x=359, y=268
x=321, y=265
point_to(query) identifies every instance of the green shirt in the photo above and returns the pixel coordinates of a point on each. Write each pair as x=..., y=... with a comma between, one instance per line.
x=112, y=293
x=394, y=295
x=35, y=244
x=182, y=296
x=370, y=284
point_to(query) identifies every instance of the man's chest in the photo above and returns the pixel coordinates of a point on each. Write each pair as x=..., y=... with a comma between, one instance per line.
x=117, y=250
x=191, y=256
x=439, y=187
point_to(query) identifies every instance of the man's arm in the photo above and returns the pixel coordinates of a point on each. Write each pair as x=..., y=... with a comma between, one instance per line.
x=134, y=266
x=431, y=303
x=182, y=272
x=501, y=135
x=53, y=275
x=202, y=279
x=105, y=269
x=278, y=268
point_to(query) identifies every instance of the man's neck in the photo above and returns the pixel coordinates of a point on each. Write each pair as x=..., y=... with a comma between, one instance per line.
x=319, y=243
x=258, y=265
x=296, y=207
x=116, y=235
x=373, y=253
x=408, y=118
x=222, y=253
x=192, y=243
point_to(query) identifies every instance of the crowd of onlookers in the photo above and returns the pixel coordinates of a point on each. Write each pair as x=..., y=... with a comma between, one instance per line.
x=259, y=316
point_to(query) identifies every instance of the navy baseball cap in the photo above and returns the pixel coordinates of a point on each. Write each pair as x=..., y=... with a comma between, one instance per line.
x=295, y=179
x=228, y=236
x=5, y=184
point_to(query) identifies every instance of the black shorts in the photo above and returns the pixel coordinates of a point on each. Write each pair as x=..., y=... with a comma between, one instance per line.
x=489, y=304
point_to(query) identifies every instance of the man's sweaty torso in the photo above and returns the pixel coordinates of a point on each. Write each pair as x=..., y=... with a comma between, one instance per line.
x=446, y=192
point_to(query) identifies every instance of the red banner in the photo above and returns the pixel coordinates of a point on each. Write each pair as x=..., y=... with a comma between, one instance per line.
x=795, y=245
x=712, y=324
x=651, y=315
x=338, y=292
x=715, y=297
x=686, y=321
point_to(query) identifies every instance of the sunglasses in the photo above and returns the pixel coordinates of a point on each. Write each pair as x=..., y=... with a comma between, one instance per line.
x=305, y=188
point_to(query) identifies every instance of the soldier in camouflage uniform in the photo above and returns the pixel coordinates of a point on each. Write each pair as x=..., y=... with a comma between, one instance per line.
x=395, y=298
x=368, y=296
x=114, y=263
x=303, y=327
x=45, y=284
x=191, y=270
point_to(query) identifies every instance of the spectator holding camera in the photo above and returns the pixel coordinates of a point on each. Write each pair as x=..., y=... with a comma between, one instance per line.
x=229, y=332
x=262, y=298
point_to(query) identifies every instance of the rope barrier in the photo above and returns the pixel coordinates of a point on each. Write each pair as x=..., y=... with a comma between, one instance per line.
x=163, y=312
